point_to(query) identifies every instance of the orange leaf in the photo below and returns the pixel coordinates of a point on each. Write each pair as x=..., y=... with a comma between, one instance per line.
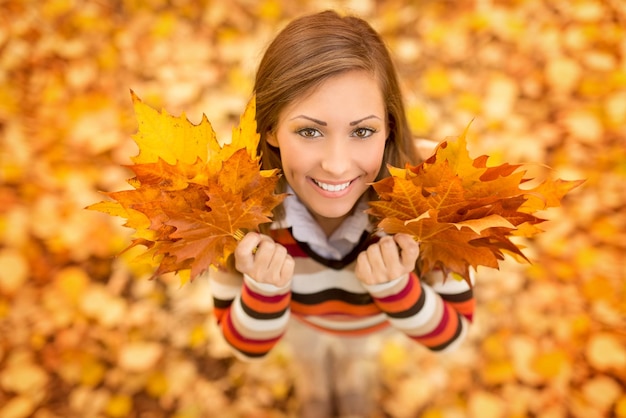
x=193, y=197
x=462, y=211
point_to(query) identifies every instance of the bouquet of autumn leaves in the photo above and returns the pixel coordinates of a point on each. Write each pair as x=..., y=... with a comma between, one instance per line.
x=193, y=199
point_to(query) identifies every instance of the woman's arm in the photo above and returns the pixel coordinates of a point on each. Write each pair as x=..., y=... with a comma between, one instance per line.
x=435, y=315
x=253, y=312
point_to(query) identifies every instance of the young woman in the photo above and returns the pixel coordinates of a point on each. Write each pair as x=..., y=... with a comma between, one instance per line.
x=331, y=116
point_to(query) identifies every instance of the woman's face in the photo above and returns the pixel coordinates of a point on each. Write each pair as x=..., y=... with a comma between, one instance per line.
x=331, y=144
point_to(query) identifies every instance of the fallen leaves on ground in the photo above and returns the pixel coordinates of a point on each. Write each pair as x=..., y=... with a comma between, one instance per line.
x=83, y=333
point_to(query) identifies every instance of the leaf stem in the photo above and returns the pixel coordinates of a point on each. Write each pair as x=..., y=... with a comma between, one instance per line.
x=239, y=234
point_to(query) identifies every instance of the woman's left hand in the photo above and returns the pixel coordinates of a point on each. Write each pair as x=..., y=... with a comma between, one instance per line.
x=388, y=259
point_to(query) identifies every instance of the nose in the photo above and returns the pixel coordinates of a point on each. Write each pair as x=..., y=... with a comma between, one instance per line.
x=336, y=157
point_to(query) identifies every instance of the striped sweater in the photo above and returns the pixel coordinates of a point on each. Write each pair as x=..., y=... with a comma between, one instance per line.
x=326, y=295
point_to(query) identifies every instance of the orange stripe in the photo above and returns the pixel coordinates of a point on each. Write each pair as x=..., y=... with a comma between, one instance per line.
x=282, y=236
x=446, y=334
x=219, y=313
x=464, y=308
x=349, y=333
x=249, y=346
x=333, y=307
x=404, y=300
x=268, y=304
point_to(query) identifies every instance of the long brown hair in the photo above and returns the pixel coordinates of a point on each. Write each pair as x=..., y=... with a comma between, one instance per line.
x=309, y=50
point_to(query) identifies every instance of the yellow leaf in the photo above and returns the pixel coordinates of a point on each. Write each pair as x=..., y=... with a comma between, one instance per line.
x=185, y=276
x=418, y=118
x=139, y=356
x=92, y=372
x=23, y=376
x=437, y=83
x=469, y=102
x=482, y=404
x=602, y=392
x=599, y=288
x=197, y=336
x=157, y=384
x=170, y=138
x=269, y=9
x=498, y=372
x=72, y=282
x=620, y=407
x=550, y=364
x=14, y=271
x=432, y=412
x=245, y=135
x=605, y=351
x=393, y=356
x=119, y=406
x=18, y=407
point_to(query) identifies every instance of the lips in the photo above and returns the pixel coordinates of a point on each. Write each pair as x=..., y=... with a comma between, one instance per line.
x=337, y=187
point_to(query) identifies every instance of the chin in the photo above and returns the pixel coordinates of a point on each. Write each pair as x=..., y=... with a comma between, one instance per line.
x=333, y=211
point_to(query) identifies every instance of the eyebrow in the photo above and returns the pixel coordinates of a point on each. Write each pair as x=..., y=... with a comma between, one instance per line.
x=322, y=123
x=356, y=122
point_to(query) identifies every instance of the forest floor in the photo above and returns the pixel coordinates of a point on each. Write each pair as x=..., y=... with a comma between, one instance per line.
x=84, y=333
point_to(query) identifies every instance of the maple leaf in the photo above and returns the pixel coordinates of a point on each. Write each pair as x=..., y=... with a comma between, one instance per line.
x=462, y=211
x=192, y=197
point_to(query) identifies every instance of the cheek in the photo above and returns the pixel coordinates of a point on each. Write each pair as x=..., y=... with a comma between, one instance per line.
x=372, y=159
x=292, y=160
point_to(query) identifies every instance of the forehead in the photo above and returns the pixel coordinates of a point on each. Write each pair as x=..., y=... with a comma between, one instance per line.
x=353, y=91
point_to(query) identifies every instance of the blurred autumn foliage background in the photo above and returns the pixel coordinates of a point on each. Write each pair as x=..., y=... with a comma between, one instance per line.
x=85, y=334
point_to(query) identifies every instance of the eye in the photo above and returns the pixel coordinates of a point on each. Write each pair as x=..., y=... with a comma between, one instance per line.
x=309, y=133
x=363, y=132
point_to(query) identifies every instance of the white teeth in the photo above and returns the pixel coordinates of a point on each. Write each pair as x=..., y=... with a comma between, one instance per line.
x=332, y=187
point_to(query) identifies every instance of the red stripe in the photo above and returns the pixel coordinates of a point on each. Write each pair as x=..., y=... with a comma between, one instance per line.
x=445, y=318
x=444, y=333
x=405, y=299
x=245, y=344
x=398, y=296
x=264, y=304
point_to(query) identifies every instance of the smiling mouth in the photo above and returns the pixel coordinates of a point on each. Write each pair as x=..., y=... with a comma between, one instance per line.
x=332, y=187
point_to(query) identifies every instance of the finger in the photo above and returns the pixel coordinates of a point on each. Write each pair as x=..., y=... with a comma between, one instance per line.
x=264, y=255
x=244, y=257
x=409, y=250
x=249, y=242
x=279, y=253
x=363, y=269
x=394, y=266
x=375, y=258
x=390, y=252
x=286, y=272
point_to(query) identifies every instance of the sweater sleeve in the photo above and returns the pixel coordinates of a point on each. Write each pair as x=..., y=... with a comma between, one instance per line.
x=252, y=316
x=436, y=315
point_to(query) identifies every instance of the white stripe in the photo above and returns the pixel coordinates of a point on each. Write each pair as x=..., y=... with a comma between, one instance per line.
x=263, y=325
x=460, y=339
x=380, y=290
x=451, y=286
x=326, y=279
x=346, y=325
x=266, y=289
x=224, y=291
x=424, y=316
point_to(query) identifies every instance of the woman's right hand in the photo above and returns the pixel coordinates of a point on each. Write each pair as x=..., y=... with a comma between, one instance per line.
x=264, y=260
